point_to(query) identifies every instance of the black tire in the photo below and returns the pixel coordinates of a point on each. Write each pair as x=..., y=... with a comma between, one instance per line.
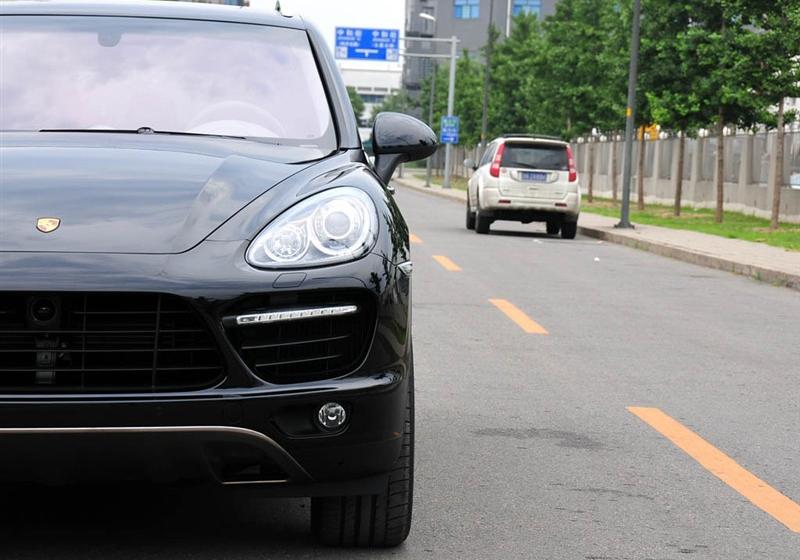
x=569, y=230
x=372, y=521
x=482, y=223
x=553, y=228
x=470, y=216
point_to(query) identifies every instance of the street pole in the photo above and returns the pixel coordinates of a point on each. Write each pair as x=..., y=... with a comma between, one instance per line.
x=429, y=162
x=487, y=76
x=433, y=75
x=451, y=101
x=625, y=220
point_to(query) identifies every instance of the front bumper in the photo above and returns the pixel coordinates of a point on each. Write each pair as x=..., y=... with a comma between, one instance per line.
x=243, y=432
x=244, y=440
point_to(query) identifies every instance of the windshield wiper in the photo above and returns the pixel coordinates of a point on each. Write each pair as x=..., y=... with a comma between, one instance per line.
x=142, y=130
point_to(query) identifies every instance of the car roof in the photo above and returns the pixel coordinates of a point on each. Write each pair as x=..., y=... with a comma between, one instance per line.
x=532, y=139
x=152, y=8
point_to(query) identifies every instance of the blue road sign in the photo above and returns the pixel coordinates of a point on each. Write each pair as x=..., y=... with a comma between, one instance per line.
x=355, y=43
x=450, y=130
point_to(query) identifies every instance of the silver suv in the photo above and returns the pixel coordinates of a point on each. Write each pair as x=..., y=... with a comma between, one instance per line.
x=525, y=179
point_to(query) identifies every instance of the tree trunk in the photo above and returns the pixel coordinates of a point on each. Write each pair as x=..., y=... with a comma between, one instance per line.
x=614, y=169
x=777, y=180
x=720, y=165
x=640, y=173
x=590, y=194
x=679, y=175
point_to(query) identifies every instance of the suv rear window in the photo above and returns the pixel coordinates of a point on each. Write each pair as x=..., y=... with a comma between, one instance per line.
x=550, y=157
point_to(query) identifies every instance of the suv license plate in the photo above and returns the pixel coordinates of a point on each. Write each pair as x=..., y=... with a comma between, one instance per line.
x=534, y=176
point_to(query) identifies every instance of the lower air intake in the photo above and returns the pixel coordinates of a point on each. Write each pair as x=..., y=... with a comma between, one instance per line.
x=304, y=349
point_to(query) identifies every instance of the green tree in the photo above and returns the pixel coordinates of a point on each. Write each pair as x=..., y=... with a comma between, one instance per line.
x=518, y=89
x=775, y=48
x=468, y=99
x=399, y=102
x=669, y=75
x=356, y=101
x=715, y=46
x=584, y=71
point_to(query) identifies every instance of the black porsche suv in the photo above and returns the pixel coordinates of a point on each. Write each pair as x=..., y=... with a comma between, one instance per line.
x=202, y=277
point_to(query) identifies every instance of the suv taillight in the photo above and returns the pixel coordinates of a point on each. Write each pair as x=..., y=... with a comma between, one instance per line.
x=573, y=171
x=494, y=171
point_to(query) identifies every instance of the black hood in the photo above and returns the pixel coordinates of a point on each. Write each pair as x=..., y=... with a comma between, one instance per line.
x=120, y=193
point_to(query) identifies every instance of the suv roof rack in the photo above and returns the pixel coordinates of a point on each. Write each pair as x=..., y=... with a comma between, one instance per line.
x=526, y=135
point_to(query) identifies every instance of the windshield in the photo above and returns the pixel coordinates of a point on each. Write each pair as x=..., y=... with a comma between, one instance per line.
x=541, y=156
x=185, y=76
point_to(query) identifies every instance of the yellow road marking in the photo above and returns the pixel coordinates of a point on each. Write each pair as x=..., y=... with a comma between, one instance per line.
x=446, y=263
x=414, y=239
x=515, y=314
x=761, y=494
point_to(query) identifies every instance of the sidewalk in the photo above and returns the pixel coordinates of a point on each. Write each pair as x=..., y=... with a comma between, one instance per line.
x=762, y=262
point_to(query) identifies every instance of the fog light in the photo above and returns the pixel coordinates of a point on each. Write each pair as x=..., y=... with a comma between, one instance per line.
x=332, y=416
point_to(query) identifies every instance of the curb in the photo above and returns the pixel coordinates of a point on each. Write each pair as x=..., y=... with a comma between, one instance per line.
x=774, y=277
x=770, y=276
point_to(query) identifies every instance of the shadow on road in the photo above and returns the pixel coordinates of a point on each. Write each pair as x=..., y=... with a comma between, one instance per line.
x=123, y=522
x=518, y=233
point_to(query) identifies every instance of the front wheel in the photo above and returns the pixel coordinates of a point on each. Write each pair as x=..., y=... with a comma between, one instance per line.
x=375, y=521
x=569, y=230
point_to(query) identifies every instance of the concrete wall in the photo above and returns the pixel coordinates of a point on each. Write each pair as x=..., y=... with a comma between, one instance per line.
x=748, y=172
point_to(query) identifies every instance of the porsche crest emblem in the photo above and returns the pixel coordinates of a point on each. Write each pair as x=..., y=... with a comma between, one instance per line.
x=47, y=225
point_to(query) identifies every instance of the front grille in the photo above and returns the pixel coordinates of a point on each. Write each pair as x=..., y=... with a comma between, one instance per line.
x=307, y=349
x=104, y=342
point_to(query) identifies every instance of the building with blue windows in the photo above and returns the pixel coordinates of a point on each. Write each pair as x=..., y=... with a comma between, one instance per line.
x=467, y=20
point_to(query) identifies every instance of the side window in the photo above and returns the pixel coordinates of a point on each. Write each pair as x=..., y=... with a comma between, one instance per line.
x=488, y=154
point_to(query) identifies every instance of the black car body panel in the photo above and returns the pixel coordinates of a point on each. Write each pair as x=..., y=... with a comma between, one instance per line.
x=148, y=195
x=171, y=217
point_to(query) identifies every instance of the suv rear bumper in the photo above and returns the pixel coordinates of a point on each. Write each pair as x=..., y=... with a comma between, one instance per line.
x=567, y=207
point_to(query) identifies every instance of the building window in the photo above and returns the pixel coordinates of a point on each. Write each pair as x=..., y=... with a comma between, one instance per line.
x=528, y=7
x=373, y=98
x=467, y=9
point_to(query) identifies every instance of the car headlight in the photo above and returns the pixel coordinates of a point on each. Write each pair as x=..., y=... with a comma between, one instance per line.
x=334, y=226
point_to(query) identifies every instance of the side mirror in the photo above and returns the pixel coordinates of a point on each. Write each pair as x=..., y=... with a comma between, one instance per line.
x=399, y=138
x=469, y=163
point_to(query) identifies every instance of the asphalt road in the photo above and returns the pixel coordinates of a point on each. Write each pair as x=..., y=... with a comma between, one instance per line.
x=526, y=447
